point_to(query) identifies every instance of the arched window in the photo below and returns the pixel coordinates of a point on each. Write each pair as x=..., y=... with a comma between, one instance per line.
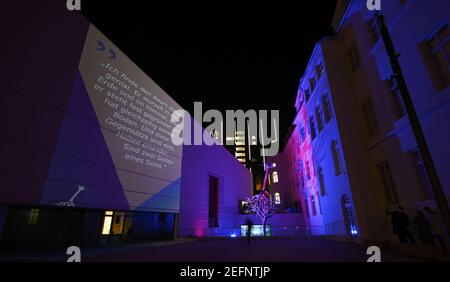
x=336, y=158
x=323, y=190
x=275, y=177
x=277, y=198
x=349, y=219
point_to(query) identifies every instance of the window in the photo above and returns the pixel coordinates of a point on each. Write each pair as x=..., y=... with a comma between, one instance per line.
x=388, y=182
x=275, y=177
x=307, y=94
x=313, y=205
x=239, y=154
x=422, y=174
x=277, y=198
x=399, y=110
x=34, y=214
x=107, y=222
x=243, y=205
x=319, y=118
x=438, y=53
x=353, y=57
x=319, y=71
x=336, y=158
x=369, y=117
x=213, y=209
x=321, y=177
x=240, y=149
x=312, y=83
x=349, y=218
x=328, y=114
x=308, y=170
x=312, y=128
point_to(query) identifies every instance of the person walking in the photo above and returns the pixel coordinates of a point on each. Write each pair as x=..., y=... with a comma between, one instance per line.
x=249, y=230
x=423, y=228
x=400, y=225
x=435, y=225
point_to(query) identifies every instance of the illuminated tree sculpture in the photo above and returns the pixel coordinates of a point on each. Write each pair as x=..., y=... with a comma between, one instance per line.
x=263, y=204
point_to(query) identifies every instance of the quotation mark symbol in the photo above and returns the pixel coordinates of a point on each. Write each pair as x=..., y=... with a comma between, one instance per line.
x=75, y=254
x=375, y=254
x=101, y=47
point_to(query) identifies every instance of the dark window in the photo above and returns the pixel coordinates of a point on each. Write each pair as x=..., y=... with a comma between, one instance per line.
x=312, y=128
x=323, y=190
x=307, y=94
x=374, y=32
x=422, y=175
x=397, y=102
x=213, y=202
x=353, y=57
x=313, y=205
x=439, y=49
x=319, y=71
x=369, y=117
x=312, y=83
x=328, y=113
x=388, y=182
x=319, y=118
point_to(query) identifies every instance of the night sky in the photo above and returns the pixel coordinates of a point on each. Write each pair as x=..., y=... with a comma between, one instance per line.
x=229, y=56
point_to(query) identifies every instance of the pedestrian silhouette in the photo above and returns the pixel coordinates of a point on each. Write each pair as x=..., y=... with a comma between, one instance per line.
x=249, y=230
x=435, y=226
x=400, y=225
x=423, y=228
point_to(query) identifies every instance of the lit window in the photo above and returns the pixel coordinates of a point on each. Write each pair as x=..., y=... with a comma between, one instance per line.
x=107, y=221
x=240, y=149
x=277, y=198
x=239, y=143
x=241, y=160
x=275, y=177
x=239, y=154
x=34, y=214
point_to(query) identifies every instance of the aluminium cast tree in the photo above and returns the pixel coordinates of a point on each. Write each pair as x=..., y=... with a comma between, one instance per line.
x=263, y=203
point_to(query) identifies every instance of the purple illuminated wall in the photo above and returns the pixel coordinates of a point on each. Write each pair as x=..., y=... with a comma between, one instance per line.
x=64, y=128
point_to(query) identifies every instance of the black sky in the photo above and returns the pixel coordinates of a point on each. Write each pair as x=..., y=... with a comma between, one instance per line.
x=229, y=56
